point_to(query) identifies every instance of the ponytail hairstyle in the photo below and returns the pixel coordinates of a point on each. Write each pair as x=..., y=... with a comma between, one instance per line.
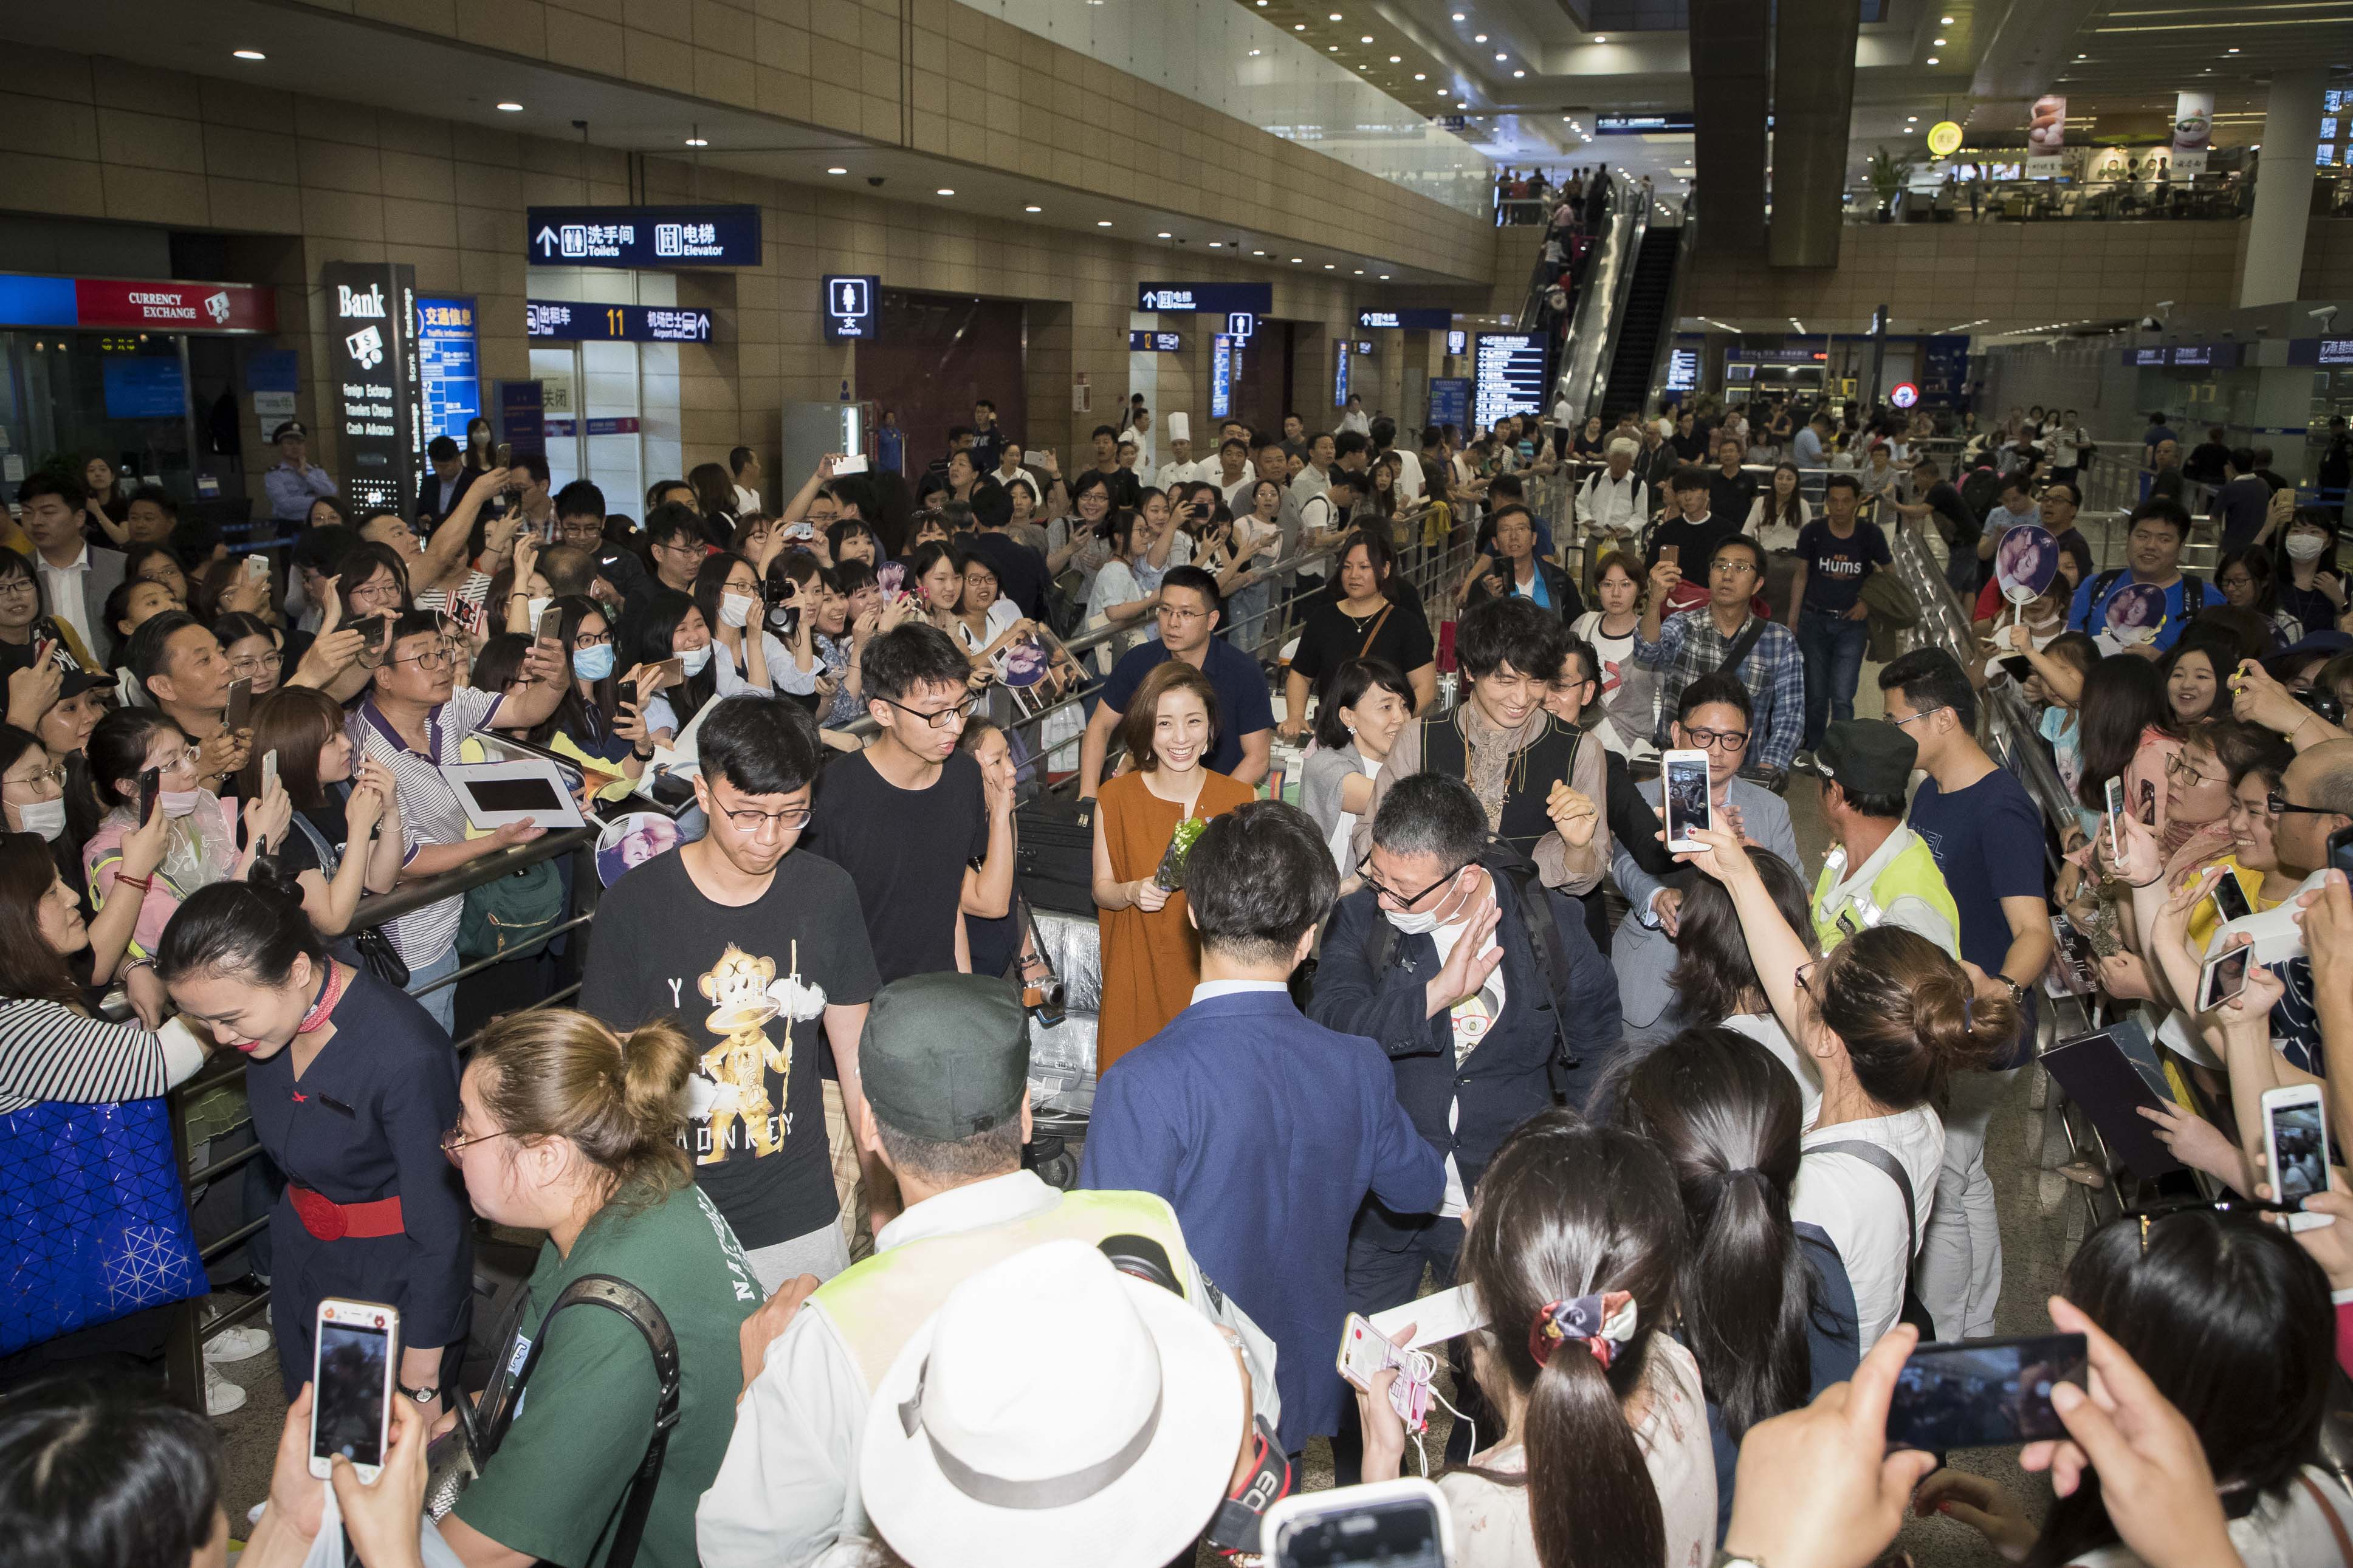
x=1908, y=1016
x=620, y=1098
x=1566, y=1209
x=1728, y=1116
x=250, y=931
x=103, y=776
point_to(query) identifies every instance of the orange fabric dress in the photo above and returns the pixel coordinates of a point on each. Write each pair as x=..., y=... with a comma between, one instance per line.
x=1151, y=962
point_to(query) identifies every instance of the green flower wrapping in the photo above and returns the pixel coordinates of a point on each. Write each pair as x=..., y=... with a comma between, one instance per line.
x=1171, y=874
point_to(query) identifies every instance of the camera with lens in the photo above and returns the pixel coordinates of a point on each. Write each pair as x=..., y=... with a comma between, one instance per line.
x=2325, y=703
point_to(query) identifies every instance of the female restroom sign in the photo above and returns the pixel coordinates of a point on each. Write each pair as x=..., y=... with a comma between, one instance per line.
x=849, y=307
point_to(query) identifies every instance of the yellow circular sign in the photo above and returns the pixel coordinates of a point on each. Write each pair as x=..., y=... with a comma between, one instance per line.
x=1943, y=138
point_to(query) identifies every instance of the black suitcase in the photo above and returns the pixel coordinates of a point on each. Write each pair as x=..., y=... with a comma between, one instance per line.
x=1055, y=857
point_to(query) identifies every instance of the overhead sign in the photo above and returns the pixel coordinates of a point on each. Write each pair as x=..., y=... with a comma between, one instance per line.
x=1242, y=325
x=644, y=237
x=373, y=382
x=1214, y=299
x=850, y=301
x=1458, y=342
x=1780, y=356
x=1508, y=377
x=1222, y=377
x=2320, y=350
x=1644, y=124
x=2145, y=357
x=26, y=300
x=2208, y=356
x=1682, y=370
x=447, y=366
x=565, y=320
x=1140, y=340
x=1340, y=374
x=1419, y=320
x=1903, y=395
x=1944, y=138
x=1450, y=400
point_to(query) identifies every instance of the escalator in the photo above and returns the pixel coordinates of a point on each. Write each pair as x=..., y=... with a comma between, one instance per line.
x=1644, y=324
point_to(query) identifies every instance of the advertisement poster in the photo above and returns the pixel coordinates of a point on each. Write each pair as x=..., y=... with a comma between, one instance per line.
x=2194, y=132
x=2046, y=135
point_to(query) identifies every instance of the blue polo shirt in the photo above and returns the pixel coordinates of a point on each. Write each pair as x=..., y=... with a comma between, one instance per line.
x=2087, y=616
x=1241, y=684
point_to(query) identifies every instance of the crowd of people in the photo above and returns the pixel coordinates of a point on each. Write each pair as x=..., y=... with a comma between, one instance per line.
x=1700, y=1129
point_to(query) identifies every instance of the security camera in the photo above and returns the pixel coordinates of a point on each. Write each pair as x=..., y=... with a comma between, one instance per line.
x=2325, y=314
x=875, y=179
x=2151, y=324
x=2165, y=305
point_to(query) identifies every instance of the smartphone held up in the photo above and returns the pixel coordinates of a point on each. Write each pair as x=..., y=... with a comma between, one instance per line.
x=355, y=1350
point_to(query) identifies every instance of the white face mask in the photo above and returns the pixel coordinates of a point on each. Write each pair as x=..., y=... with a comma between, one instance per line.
x=695, y=658
x=46, y=817
x=1424, y=922
x=735, y=609
x=178, y=802
x=2305, y=546
x=535, y=608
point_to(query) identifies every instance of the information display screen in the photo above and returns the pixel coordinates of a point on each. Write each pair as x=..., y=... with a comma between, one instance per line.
x=1507, y=376
x=446, y=364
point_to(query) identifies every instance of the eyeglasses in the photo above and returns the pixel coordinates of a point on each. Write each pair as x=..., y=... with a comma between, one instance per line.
x=187, y=757
x=455, y=1141
x=1924, y=712
x=1183, y=617
x=1402, y=900
x=1731, y=565
x=255, y=664
x=1716, y=740
x=2180, y=766
x=944, y=719
x=593, y=639
x=431, y=659
x=792, y=820
x=17, y=586
x=40, y=776
x=2278, y=803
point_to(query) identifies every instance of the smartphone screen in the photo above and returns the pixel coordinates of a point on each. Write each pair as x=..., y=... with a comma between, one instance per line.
x=1983, y=1394
x=2016, y=668
x=1387, y=1532
x=268, y=769
x=2116, y=816
x=2231, y=897
x=239, y=713
x=350, y=1415
x=1683, y=779
x=2299, y=1142
x=372, y=632
x=2224, y=976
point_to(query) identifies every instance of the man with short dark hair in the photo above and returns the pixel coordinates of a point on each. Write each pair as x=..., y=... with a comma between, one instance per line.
x=1836, y=554
x=746, y=949
x=1489, y=999
x=1974, y=815
x=987, y=436
x=744, y=464
x=2165, y=477
x=1188, y=615
x=946, y=1063
x=439, y=493
x=1730, y=490
x=2241, y=501
x=2153, y=539
x=75, y=579
x=1690, y=538
x=1410, y=478
x=1021, y=576
x=1726, y=633
x=1294, y=435
x=1264, y=1131
x=925, y=838
x=1936, y=498
x=2071, y=444
x=675, y=539
x=152, y=515
x=295, y=481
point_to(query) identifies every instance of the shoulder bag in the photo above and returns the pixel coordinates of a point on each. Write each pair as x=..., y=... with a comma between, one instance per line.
x=372, y=948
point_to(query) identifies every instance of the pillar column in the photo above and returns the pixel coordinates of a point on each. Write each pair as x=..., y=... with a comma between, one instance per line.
x=2274, y=272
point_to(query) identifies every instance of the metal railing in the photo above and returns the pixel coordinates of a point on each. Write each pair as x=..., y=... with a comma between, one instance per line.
x=1584, y=378
x=189, y=1327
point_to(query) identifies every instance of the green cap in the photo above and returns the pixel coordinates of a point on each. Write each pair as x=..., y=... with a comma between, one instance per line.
x=1867, y=756
x=946, y=1055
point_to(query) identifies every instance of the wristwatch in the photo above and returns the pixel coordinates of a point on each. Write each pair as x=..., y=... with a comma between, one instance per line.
x=2017, y=991
x=422, y=1396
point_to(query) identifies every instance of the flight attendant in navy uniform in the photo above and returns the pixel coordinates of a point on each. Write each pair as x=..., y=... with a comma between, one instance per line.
x=352, y=1088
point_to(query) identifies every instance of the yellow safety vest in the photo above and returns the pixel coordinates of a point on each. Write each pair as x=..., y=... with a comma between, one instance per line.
x=1912, y=873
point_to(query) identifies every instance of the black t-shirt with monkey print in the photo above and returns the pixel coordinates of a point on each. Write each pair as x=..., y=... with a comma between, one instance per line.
x=749, y=987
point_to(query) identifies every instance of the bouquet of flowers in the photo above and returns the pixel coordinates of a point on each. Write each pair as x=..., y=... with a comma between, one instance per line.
x=1171, y=874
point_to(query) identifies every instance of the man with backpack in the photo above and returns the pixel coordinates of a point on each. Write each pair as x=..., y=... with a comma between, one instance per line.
x=1727, y=633
x=2153, y=539
x=1487, y=995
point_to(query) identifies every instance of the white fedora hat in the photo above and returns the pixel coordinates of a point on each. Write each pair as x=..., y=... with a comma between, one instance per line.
x=1054, y=1410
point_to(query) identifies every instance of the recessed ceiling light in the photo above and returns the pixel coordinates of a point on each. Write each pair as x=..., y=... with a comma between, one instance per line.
x=1932, y=60
x=511, y=108
x=1335, y=15
x=1397, y=60
x=1102, y=222
x=1365, y=40
x=1519, y=73
x=1217, y=245
x=1384, y=276
x=1331, y=49
x=1258, y=253
x=1422, y=76
x=1033, y=209
x=1442, y=92
x=2233, y=51
x=1253, y=54
x=1299, y=27
x=1297, y=259
x=1478, y=37
x=248, y=54
x=1911, y=119
x=1166, y=235
x=1943, y=21
x=943, y=191
x=1940, y=43
x=698, y=141
x=1360, y=272
x=1599, y=39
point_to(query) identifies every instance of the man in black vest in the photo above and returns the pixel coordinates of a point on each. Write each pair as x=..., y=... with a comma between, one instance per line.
x=1488, y=996
x=1539, y=780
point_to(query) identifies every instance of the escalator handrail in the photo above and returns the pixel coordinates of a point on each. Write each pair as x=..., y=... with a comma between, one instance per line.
x=1671, y=309
x=1601, y=303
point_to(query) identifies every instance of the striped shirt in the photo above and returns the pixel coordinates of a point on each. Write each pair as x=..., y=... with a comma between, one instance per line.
x=48, y=1052
x=430, y=811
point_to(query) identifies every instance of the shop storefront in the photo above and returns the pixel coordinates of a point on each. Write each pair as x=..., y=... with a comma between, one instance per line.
x=143, y=374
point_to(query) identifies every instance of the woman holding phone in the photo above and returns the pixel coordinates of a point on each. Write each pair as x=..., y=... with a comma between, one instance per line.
x=353, y=1087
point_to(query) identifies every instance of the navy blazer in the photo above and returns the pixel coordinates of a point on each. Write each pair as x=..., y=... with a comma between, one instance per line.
x=1508, y=1078
x=1264, y=1133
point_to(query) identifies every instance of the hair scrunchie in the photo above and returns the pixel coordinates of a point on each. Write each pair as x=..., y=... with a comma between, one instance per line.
x=1600, y=1323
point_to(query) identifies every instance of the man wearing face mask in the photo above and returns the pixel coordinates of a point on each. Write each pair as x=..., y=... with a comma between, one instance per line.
x=1488, y=997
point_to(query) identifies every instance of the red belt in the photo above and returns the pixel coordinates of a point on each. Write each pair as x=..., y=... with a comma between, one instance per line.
x=330, y=1221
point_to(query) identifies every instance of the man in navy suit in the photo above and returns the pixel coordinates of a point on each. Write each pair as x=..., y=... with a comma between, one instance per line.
x=1263, y=1131
x=1486, y=1019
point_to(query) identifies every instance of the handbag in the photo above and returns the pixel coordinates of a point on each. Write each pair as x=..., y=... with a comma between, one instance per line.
x=511, y=912
x=93, y=1219
x=371, y=948
x=454, y=1460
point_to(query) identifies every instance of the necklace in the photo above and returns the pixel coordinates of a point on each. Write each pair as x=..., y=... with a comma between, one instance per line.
x=322, y=1006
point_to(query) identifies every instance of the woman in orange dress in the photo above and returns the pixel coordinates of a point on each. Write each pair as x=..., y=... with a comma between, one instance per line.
x=1151, y=957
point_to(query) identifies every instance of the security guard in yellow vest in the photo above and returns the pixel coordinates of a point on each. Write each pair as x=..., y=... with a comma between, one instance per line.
x=1880, y=872
x=945, y=1062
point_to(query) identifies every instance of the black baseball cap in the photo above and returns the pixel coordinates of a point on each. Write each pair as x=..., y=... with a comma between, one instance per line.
x=1867, y=756
x=946, y=1055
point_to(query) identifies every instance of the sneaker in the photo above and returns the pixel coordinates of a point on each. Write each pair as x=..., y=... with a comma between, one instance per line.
x=236, y=1345
x=222, y=1397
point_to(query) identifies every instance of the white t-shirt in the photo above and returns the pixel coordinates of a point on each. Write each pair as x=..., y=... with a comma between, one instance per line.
x=1860, y=1209
x=2285, y=1531
x=1766, y=1031
x=1473, y=1017
x=1491, y=1519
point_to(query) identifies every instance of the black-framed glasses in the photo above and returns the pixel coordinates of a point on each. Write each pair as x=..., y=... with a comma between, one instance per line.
x=2180, y=766
x=792, y=819
x=431, y=659
x=1402, y=900
x=2277, y=802
x=1716, y=740
x=944, y=718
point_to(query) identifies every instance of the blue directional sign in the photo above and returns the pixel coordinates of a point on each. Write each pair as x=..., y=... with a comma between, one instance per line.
x=1214, y=299
x=1416, y=320
x=1222, y=377
x=644, y=237
x=566, y=320
x=1242, y=325
x=850, y=306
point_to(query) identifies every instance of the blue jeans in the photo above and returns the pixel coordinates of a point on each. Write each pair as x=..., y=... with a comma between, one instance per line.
x=443, y=1003
x=1832, y=647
